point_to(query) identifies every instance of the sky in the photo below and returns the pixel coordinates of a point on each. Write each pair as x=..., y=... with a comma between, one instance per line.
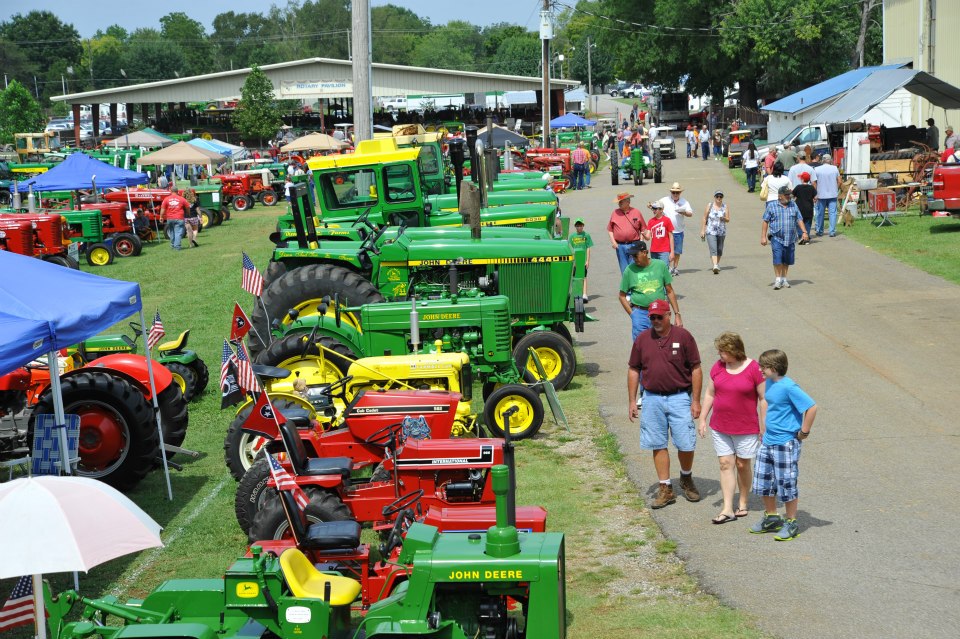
x=87, y=17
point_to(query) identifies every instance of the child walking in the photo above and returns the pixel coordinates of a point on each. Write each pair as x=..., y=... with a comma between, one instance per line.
x=789, y=418
x=582, y=240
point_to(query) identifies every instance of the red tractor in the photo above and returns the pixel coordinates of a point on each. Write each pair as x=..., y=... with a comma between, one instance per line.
x=127, y=240
x=243, y=189
x=48, y=231
x=946, y=191
x=16, y=236
x=148, y=202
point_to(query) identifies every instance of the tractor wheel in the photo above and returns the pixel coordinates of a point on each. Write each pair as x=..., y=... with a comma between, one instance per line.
x=118, y=435
x=637, y=178
x=271, y=521
x=525, y=422
x=173, y=413
x=127, y=245
x=488, y=388
x=72, y=263
x=242, y=202
x=206, y=217
x=268, y=197
x=253, y=494
x=99, y=254
x=203, y=376
x=220, y=215
x=303, y=288
x=59, y=260
x=240, y=449
x=224, y=213
x=561, y=329
x=274, y=271
x=306, y=361
x=614, y=167
x=555, y=353
x=184, y=377
x=657, y=168
x=593, y=167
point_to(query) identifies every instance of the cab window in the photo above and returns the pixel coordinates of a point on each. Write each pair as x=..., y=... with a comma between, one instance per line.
x=428, y=160
x=398, y=182
x=349, y=189
x=810, y=135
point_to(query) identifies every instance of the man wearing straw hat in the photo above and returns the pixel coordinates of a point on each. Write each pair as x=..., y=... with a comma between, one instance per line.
x=676, y=209
x=625, y=227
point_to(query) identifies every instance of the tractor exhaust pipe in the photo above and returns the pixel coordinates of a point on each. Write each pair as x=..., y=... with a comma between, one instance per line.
x=457, y=154
x=16, y=200
x=481, y=167
x=470, y=208
x=415, y=327
x=509, y=460
x=454, y=279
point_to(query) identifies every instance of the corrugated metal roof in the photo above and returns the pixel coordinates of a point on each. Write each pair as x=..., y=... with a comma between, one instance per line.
x=811, y=96
x=875, y=89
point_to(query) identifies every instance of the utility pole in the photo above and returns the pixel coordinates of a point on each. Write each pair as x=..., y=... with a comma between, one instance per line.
x=589, y=69
x=546, y=34
x=362, y=81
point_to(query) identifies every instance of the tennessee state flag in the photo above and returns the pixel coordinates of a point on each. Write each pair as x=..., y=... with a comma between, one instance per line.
x=263, y=420
x=240, y=325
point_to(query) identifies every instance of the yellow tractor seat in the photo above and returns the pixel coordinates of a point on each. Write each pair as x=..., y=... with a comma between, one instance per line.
x=306, y=581
x=175, y=344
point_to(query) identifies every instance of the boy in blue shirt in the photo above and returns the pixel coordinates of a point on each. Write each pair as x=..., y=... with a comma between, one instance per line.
x=786, y=424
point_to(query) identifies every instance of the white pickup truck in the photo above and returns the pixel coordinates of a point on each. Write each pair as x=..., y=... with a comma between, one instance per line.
x=816, y=135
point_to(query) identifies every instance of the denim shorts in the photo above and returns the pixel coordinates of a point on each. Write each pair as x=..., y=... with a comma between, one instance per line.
x=678, y=243
x=662, y=256
x=776, y=470
x=664, y=415
x=782, y=253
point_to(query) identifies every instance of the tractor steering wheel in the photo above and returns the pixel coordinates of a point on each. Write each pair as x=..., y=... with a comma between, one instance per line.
x=336, y=388
x=405, y=517
x=364, y=219
x=403, y=502
x=370, y=242
x=136, y=328
x=384, y=436
x=399, y=194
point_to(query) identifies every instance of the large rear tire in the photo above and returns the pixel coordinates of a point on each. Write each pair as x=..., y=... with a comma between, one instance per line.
x=304, y=360
x=525, y=422
x=303, y=288
x=60, y=260
x=173, y=415
x=556, y=354
x=271, y=521
x=118, y=436
x=242, y=202
x=275, y=270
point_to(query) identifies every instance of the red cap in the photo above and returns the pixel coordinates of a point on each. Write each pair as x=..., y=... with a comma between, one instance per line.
x=805, y=176
x=658, y=307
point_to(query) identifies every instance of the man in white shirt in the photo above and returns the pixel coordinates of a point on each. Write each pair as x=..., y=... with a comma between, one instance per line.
x=677, y=209
x=797, y=169
x=828, y=189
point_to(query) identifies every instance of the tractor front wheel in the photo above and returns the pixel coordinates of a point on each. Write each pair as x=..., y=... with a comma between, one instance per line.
x=614, y=167
x=241, y=202
x=224, y=213
x=127, y=245
x=118, y=435
x=525, y=422
x=206, y=217
x=203, y=376
x=271, y=522
x=240, y=449
x=184, y=377
x=173, y=413
x=60, y=260
x=556, y=354
x=268, y=197
x=99, y=254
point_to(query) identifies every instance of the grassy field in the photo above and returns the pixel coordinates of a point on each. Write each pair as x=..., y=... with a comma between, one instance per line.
x=622, y=574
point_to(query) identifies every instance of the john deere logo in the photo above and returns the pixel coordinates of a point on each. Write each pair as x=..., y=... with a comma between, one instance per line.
x=248, y=589
x=266, y=412
x=400, y=290
x=393, y=275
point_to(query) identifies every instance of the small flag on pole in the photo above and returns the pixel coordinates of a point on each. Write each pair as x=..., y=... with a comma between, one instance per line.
x=252, y=280
x=284, y=481
x=263, y=420
x=18, y=609
x=156, y=332
x=245, y=375
x=231, y=393
x=241, y=324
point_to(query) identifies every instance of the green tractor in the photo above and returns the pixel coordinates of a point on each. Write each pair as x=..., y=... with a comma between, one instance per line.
x=638, y=166
x=86, y=229
x=459, y=585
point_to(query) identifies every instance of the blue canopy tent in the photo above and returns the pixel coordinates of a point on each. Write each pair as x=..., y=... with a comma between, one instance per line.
x=230, y=150
x=569, y=120
x=81, y=171
x=46, y=307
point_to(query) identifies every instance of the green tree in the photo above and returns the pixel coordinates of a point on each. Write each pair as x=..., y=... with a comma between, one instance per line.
x=103, y=59
x=48, y=43
x=243, y=39
x=317, y=28
x=257, y=115
x=189, y=35
x=115, y=31
x=517, y=55
x=148, y=57
x=15, y=63
x=19, y=112
x=455, y=45
x=396, y=31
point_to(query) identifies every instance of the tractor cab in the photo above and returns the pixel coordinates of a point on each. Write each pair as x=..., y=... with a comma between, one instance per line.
x=33, y=146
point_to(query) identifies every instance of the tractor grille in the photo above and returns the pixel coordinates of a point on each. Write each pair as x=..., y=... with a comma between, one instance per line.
x=527, y=286
x=502, y=331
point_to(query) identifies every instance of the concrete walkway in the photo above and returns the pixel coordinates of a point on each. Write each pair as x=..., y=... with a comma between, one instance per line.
x=874, y=342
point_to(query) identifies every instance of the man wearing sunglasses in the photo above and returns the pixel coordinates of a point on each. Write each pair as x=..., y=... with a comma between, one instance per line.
x=668, y=359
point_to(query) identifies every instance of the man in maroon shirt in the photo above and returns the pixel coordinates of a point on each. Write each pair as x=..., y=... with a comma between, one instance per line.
x=173, y=209
x=625, y=227
x=668, y=357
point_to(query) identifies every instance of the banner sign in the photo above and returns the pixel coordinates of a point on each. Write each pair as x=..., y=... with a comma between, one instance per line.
x=315, y=88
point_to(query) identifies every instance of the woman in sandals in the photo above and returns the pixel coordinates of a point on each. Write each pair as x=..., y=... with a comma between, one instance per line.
x=735, y=392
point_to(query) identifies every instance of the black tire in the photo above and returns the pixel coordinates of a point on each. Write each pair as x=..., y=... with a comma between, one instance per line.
x=105, y=396
x=206, y=217
x=488, y=388
x=271, y=521
x=251, y=492
x=306, y=284
x=268, y=197
x=174, y=416
x=525, y=423
x=72, y=263
x=284, y=352
x=203, y=376
x=236, y=444
x=242, y=202
x=556, y=354
x=614, y=167
x=184, y=378
x=59, y=260
x=99, y=254
x=127, y=245
x=657, y=168
x=561, y=329
x=275, y=270
x=224, y=214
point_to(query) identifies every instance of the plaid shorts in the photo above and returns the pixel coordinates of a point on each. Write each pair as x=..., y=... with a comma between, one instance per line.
x=776, y=469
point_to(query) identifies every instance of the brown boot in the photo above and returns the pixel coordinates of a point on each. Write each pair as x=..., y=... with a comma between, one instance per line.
x=689, y=488
x=664, y=496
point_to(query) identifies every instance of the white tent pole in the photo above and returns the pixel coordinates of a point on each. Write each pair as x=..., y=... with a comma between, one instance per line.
x=58, y=412
x=38, y=604
x=156, y=411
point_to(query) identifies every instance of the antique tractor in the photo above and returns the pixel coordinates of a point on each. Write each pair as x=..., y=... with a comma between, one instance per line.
x=48, y=233
x=126, y=239
x=16, y=236
x=640, y=166
x=213, y=211
x=86, y=229
x=459, y=585
x=243, y=189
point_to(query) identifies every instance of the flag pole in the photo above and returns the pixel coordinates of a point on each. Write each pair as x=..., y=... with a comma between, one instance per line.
x=269, y=321
x=254, y=328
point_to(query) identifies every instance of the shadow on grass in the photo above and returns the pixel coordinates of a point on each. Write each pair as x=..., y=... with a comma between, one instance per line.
x=953, y=227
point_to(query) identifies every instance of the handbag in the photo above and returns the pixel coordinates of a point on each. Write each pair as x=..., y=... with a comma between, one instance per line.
x=764, y=191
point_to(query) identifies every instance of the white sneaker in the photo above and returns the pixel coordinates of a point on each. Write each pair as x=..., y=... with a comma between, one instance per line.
x=716, y=270
x=777, y=284
x=785, y=283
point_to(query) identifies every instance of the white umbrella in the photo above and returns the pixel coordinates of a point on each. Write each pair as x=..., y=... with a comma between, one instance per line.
x=64, y=524
x=314, y=142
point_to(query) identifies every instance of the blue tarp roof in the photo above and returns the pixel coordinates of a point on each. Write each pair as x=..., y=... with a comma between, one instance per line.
x=811, y=96
x=76, y=172
x=218, y=147
x=47, y=307
x=570, y=119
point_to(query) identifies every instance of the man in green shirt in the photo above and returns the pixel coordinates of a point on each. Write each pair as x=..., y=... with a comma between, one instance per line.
x=581, y=240
x=644, y=281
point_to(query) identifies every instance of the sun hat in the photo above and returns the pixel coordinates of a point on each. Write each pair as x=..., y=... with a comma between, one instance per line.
x=676, y=187
x=621, y=197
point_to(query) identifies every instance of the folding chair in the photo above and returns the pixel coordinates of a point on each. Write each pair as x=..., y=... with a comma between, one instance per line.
x=46, y=457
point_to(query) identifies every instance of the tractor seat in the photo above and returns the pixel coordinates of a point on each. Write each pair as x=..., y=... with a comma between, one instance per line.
x=328, y=466
x=299, y=417
x=175, y=344
x=332, y=535
x=306, y=581
x=270, y=372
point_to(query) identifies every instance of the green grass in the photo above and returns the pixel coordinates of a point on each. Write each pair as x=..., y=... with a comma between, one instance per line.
x=621, y=573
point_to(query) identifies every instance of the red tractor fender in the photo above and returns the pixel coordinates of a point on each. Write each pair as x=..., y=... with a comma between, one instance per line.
x=133, y=368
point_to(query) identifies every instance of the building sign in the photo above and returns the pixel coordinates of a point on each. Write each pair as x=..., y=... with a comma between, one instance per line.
x=315, y=88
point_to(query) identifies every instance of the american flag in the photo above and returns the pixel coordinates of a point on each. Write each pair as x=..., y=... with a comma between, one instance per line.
x=252, y=280
x=227, y=358
x=156, y=332
x=18, y=609
x=245, y=375
x=284, y=481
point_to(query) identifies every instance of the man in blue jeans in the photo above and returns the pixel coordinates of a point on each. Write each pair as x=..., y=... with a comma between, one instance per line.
x=668, y=358
x=828, y=189
x=173, y=210
x=644, y=282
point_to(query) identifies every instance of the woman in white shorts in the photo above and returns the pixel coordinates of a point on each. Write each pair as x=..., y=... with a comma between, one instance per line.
x=734, y=395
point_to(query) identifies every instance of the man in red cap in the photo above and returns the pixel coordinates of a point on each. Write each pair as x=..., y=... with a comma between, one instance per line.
x=667, y=359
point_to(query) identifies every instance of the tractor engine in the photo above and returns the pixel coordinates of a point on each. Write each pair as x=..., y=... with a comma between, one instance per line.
x=456, y=487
